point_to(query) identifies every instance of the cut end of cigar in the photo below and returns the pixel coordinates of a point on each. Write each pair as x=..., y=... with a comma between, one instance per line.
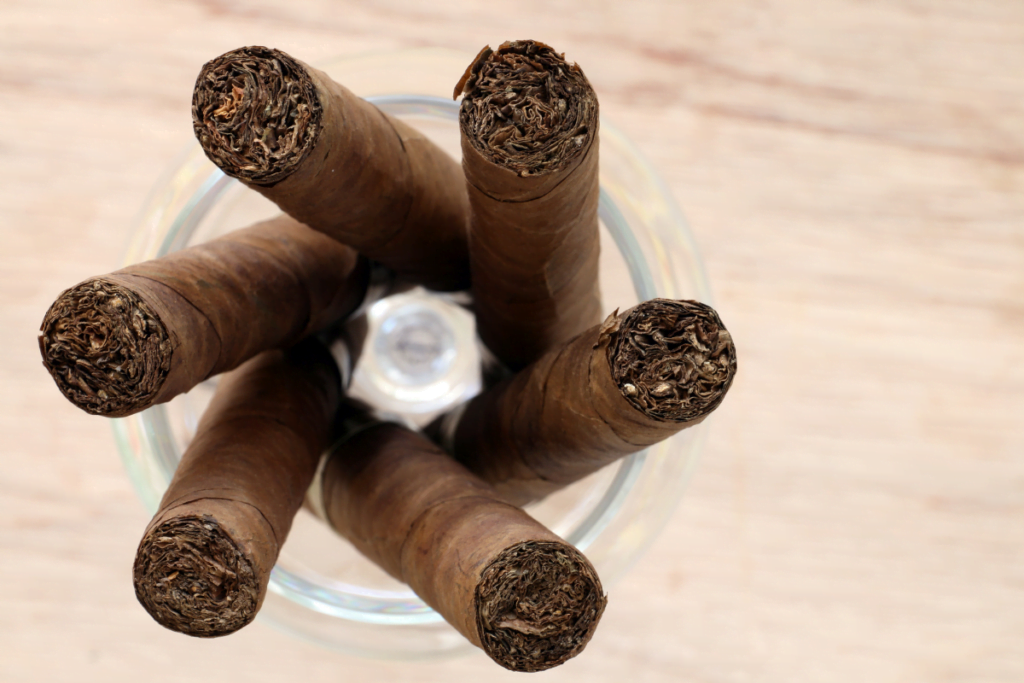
x=105, y=348
x=527, y=109
x=192, y=578
x=538, y=604
x=673, y=360
x=256, y=113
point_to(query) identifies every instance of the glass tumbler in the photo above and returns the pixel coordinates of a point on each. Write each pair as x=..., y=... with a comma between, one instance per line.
x=422, y=357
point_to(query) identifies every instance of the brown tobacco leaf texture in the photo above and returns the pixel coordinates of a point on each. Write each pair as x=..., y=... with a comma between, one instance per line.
x=256, y=112
x=105, y=348
x=193, y=579
x=538, y=605
x=527, y=109
x=673, y=359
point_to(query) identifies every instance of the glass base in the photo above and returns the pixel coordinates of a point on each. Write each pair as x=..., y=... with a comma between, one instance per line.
x=420, y=356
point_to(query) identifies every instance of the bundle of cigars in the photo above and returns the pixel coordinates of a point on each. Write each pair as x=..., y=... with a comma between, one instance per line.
x=440, y=509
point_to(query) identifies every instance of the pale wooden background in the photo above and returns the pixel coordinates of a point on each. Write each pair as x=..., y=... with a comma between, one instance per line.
x=854, y=172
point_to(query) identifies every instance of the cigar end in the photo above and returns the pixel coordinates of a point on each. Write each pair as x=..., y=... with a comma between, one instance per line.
x=538, y=605
x=256, y=113
x=673, y=360
x=525, y=108
x=192, y=578
x=107, y=351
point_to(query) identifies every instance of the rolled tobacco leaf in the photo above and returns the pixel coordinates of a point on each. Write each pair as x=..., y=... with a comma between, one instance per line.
x=619, y=387
x=204, y=562
x=514, y=589
x=119, y=343
x=335, y=162
x=529, y=123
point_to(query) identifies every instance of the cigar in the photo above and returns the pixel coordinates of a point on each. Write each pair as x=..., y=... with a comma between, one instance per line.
x=529, y=124
x=204, y=562
x=335, y=162
x=120, y=343
x=621, y=386
x=514, y=589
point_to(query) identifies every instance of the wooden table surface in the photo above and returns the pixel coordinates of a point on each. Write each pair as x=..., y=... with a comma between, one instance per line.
x=854, y=174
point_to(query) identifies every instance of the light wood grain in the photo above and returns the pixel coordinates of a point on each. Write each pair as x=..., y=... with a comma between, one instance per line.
x=854, y=173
